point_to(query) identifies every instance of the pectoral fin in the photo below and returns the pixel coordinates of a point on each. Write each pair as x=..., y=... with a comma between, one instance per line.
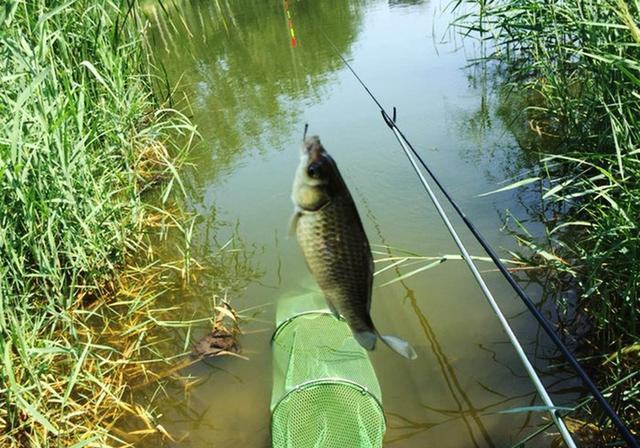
x=333, y=309
x=293, y=222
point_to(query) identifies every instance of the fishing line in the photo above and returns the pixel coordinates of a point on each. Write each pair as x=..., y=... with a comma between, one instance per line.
x=410, y=152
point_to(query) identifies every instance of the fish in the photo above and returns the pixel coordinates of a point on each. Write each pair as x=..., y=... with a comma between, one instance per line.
x=330, y=233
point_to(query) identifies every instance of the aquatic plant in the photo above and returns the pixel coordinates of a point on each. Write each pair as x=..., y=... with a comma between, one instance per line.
x=82, y=136
x=579, y=62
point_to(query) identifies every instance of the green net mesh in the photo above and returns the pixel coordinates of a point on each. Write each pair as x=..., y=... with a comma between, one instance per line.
x=325, y=392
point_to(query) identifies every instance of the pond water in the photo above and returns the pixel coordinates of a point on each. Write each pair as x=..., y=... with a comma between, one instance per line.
x=250, y=90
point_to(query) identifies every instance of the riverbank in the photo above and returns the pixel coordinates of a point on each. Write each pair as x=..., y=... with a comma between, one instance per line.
x=82, y=137
x=578, y=65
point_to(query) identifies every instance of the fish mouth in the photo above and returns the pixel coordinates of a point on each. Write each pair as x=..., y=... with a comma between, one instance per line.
x=311, y=144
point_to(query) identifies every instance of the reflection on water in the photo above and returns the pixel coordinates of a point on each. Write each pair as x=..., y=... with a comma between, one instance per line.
x=464, y=407
x=246, y=83
x=403, y=3
x=250, y=91
x=465, y=410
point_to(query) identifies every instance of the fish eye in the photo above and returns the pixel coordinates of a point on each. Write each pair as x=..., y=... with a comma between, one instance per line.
x=314, y=170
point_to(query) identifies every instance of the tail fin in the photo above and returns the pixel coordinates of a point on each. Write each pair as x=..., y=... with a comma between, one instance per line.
x=403, y=348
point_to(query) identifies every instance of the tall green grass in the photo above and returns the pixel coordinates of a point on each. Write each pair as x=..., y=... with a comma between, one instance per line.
x=81, y=137
x=578, y=64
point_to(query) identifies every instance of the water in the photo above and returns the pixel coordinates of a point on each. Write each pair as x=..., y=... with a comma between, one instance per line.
x=250, y=91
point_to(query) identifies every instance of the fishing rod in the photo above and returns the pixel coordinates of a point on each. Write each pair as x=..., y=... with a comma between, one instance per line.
x=492, y=302
x=411, y=152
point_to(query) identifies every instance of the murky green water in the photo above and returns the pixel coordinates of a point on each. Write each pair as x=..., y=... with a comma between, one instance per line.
x=250, y=92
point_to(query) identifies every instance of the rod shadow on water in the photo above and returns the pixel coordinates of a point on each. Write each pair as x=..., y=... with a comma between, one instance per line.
x=465, y=409
x=456, y=391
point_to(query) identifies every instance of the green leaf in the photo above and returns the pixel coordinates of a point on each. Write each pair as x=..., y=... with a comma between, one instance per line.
x=83, y=443
x=541, y=408
x=512, y=186
x=414, y=272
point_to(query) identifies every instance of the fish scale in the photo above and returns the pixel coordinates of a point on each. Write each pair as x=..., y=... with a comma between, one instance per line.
x=339, y=258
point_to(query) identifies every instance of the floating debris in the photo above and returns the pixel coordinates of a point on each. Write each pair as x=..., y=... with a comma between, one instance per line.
x=223, y=339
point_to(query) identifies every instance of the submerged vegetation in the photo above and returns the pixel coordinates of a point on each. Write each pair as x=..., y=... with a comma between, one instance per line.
x=579, y=62
x=82, y=136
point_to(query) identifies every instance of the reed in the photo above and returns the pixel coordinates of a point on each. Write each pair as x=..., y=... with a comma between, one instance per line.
x=578, y=64
x=82, y=136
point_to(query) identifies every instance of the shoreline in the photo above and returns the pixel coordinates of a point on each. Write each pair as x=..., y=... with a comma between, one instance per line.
x=83, y=138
